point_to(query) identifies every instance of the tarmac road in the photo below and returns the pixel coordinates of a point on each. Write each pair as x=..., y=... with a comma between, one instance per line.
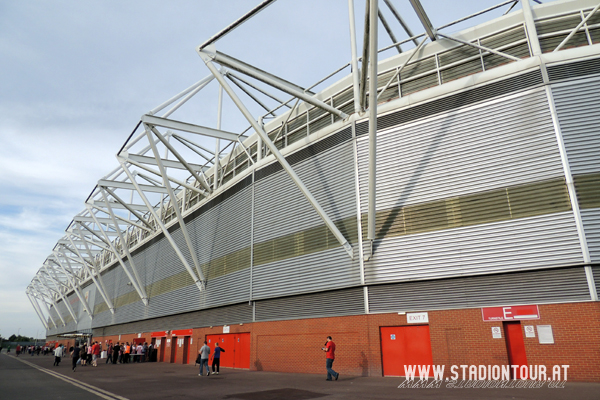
x=34, y=377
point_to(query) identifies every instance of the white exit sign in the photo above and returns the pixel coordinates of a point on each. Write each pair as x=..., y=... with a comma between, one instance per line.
x=417, y=318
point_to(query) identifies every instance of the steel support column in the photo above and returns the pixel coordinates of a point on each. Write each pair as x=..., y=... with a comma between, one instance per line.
x=217, y=162
x=372, y=194
x=534, y=41
x=364, y=63
x=354, y=62
x=431, y=32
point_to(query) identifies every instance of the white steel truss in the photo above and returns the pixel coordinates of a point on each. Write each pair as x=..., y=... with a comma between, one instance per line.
x=184, y=164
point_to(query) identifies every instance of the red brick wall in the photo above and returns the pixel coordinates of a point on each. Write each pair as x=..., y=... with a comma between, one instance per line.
x=458, y=337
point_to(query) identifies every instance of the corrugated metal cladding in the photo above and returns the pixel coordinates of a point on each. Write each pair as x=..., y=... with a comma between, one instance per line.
x=224, y=230
x=230, y=315
x=293, y=251
x=574, y=69
x=180, y=300
x=578, y=109
x=539, y=286
x=506, y=142
x=325, y=304
x=475, y=190
x=455, y=101
x=591, y=226
x=164, y=277
x=83, y=319
x=501, y=246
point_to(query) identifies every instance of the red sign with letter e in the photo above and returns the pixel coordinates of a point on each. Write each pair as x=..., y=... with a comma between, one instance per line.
x=510, y=313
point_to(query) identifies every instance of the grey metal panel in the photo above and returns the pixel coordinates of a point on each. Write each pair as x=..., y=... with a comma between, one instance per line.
x=578, y=109
x=63, y=311
x=326, y=304
x=235, y=314
x=89, y=293
x=157, y=262
x=532, y=242
x=591, y=227
x=280, y=207
x=325, y=270
x=225, y=228
x=540, y=286
x=457, y=100
x=228, y=289
x=574, y=69
x=504, y=142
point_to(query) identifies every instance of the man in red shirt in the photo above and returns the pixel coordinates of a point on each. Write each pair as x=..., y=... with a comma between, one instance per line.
x=330, y=356
x=95, y=354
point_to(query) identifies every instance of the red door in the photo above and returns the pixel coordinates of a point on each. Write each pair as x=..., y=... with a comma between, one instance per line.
x=241, y=349
x=236, y=348
x=174, y=340
x=405, y=346
x=515, y=346
x=186, y=350
x=161, y=351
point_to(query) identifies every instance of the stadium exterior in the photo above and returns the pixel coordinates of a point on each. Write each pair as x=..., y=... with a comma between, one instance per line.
x=480, y=246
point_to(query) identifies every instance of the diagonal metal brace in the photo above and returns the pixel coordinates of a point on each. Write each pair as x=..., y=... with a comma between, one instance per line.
x=270, y=79
x=286, y=166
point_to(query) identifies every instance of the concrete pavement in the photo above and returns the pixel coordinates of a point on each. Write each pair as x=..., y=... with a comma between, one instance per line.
x=174, y=381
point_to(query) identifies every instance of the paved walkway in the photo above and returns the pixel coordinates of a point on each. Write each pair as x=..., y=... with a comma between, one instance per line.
x=35, y=375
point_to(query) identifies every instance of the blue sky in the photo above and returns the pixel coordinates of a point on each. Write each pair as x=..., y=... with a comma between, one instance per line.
x=76, y=77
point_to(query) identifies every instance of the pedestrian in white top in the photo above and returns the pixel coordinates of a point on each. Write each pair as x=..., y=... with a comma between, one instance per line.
x=58, y=354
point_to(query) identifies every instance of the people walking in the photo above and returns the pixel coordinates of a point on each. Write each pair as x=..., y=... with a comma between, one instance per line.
x=83, y=355
x=126, y=352
x=330, y=357
x=116, y=352
x=109, y=353
x=58, y=354
x=95, y=354
x=75, y=354
x=139, y=351
x=144, y=351
x=217, y=358
x=204, y=353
